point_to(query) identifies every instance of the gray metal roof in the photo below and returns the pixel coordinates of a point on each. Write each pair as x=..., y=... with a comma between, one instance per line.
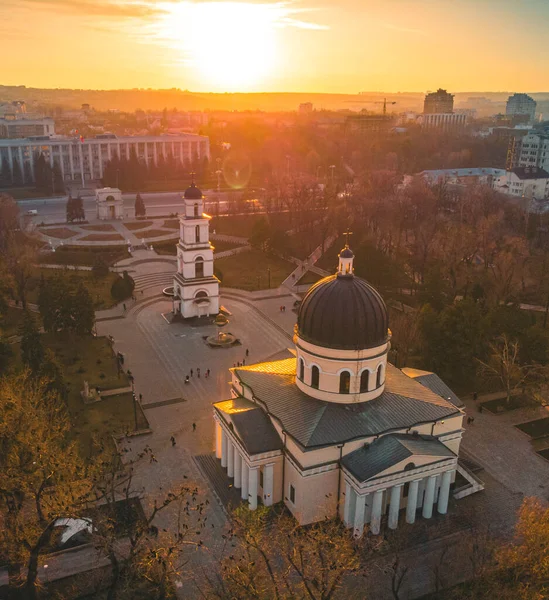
x=388, y=451
x=252, y=426
x=313, y=422
x=435, y=384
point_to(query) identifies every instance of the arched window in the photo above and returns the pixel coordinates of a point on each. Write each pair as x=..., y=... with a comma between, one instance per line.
x=364, y=381
x=201, y=294
x=379, y=371
x=344, y=382
x=196, y=210
x=197, y=233
x=315, y=376
x=301, y=369
x=199, y=267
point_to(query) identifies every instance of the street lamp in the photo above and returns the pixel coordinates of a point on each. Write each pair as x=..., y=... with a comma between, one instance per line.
x=269, y=274
x=332, y=168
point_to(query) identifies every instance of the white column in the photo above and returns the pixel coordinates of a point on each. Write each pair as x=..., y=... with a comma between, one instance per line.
x=10, y=160
x=230, y=458
x=90, y=159
x=349, y=506
x=22, y=164
x=31, y=161
x=237, y=469
x=146, y=154
x=429, y=497
x=218, y=440
x=244, y=480
x=224, y=443
x=394, y=506
x=253, y=474
x=444, y=492
x=155, y=154
x=375, y=521
x=268, y=484
x=181, y=152
x=100, y=153
x=359, y=516
x=411, y=505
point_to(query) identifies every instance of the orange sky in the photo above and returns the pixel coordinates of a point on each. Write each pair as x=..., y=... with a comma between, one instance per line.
x=306, y=45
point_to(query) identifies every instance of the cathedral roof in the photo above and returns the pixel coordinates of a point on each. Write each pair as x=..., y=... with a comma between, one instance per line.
x=404, y=403
x=434, y=383
x=386, y=452
x=343, y=312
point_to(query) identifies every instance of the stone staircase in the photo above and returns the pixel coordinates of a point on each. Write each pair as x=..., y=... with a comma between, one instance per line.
x=474, y=483
x=222, y=485
x=160, y=279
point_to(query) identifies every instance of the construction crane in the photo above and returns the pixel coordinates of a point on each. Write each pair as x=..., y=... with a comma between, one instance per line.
x=511, y=153
x=384, y=102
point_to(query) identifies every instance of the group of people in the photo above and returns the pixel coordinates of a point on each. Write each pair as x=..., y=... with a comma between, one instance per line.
x=282, y=308
x=243, y=362
x=206, y=374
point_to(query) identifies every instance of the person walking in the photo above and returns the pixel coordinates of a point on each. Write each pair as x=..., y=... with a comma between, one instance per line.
x=194, y=426
x=124, y=306
x=172, y=440
x=247, y=352
x=198, y=373
x=192, y=372
x=208, y=373
x=243, y=362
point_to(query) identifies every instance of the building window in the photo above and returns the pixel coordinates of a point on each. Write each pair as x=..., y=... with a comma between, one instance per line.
x=292, y=494
x=315, y=376
x=199, y=267
x=301, y=369
x=197, y=233
x=378, y=384
x=196, y=210
x=344, y=382
x=364, y=381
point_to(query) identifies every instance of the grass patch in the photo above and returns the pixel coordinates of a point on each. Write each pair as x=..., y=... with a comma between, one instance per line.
x=535, y=429
x=151, y=233
x=135, y=225
x=221, y=246
x=500, y=405
x=11, y=321
x=22, y=193
x=248, y=270
x=302, y=244
x=544, y=453
x=99, y=287
x=102, y=237
x=171, y=224
x=168, y=248
x=308, y=278
x=62, y=233
x=100, y=227
x=83, y=256
x=238, y=225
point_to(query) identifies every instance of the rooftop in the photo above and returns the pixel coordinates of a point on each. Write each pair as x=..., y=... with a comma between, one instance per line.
x=311, y=422
x=530, y=173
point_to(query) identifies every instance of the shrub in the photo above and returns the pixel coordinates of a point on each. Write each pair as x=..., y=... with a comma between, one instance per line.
x=122, y=287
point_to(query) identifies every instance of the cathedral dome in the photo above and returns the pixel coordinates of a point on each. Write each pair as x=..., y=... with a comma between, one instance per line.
x=343, y=312
x=192, y=193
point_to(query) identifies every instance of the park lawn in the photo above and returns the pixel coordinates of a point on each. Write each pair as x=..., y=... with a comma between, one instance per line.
x=135, y=225
x=302, y=244
x=242, y=225
x=91, y=359
x=99, y=287
x=171, y=224
x=309, y=277
x=79, y=256
x=168, y=248
x=101, y=237
x=24, y=193
x=500, y=405
x=535, y=429
x=222, y=246
x=10, y=323
x=248, y=270
x=62, y=233
x=151, y=233
x=98, y=227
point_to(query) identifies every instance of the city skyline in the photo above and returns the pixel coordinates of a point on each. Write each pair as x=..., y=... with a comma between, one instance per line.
x=307, y=46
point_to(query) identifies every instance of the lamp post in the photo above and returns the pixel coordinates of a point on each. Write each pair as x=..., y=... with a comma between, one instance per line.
x=269, y=274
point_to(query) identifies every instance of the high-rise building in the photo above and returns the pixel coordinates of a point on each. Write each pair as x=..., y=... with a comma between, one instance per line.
x=521, y=104
x=438, y=102
x=534, y=150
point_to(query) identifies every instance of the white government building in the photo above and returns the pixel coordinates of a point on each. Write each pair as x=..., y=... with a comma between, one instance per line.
x=196, y=288
x=84, y=159
x=336, y=429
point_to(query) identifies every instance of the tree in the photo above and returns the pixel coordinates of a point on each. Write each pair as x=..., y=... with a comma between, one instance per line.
x=122, y=287
x=140, y=210
x=284, y=560
x=83, y=312
x=503, y=365
x=70, y=209
x=9, y=220
x=32, y=351
x=58, y=183
x=260, y=234
x=100, y=267
x=17, y=173
x=5, y=174
x=43, y=477
x=79, y=212
x=19, y=260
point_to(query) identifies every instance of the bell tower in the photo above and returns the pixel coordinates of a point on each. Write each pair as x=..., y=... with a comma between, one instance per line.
x=196, y=288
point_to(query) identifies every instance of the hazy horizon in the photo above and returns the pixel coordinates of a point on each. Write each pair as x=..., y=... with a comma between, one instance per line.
x=294, y=46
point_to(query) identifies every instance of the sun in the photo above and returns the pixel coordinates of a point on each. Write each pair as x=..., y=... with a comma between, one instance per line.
x=232, y=45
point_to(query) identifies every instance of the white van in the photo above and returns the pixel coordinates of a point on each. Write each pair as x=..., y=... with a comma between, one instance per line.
x=32, y=212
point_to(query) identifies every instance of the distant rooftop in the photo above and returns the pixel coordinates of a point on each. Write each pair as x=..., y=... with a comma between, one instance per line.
x=530, y=173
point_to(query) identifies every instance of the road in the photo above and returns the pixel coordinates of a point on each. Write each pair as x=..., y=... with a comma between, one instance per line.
x=53, y=210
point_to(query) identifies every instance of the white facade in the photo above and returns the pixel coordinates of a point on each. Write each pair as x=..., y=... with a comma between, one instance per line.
x=534, y=151
x=196, y=288
x=84, y=160
x=23, y=126
x=478, y=175
x=443, y=121
x=521, y=104
x=109, y=203
x=524, y=182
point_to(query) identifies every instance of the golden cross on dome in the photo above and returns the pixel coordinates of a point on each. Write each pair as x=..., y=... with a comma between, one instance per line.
x=347, y=234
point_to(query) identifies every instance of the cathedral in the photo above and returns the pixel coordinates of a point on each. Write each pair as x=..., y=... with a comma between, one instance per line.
x=196, y=288
x=336, y=429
